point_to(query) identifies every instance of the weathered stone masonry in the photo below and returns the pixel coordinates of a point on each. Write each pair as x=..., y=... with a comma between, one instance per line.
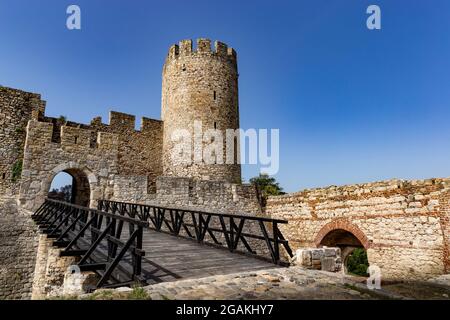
x=115, y=161
x=18, y=245
x=200, y=85
x=44, y=159
x=444, y=199
x=402, y=224
x=18, y=237
x=16, y=109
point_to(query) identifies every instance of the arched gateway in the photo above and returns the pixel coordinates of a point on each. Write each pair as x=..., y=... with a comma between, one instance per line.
x=82, y=179
x=344, y=235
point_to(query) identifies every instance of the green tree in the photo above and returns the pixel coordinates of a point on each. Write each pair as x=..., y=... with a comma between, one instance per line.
x=62, y=194
x=268, y=186
x=62, y=119
x=357, y=262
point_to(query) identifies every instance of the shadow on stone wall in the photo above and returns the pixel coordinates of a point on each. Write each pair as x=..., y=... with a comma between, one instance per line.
x=18, y=247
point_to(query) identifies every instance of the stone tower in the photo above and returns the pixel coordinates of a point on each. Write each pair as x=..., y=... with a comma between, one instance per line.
x=200, y=85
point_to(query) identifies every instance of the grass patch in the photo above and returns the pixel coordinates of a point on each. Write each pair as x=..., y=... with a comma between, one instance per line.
x=138, y=293
x=16, y=171
x=19, y=130
x=101, y=295
x=63, y=298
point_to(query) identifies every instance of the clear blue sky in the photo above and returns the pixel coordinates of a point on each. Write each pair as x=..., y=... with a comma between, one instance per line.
x=352, y=105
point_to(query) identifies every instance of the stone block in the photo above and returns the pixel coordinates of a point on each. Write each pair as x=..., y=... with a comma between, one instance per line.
x=317, y=254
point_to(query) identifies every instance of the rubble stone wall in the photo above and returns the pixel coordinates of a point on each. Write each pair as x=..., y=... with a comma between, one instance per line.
x=216, y=196
x=445, y=225
x=50, y=270
x=402, y=224
x=18, y=244
x=44, y=159
x=16, y=108
x=139, y=151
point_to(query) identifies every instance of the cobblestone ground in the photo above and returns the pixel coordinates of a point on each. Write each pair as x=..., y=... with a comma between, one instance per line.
x=279, y=283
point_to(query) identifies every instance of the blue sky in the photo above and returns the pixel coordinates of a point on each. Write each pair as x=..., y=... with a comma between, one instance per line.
x=352, y=105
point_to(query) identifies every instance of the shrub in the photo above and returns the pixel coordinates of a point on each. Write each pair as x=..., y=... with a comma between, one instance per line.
x=357, y=262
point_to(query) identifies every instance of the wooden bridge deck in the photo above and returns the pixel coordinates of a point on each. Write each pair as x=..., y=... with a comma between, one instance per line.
x=124, y=250
x=170, y=258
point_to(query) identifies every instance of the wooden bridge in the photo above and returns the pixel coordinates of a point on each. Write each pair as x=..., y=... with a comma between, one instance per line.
x=126, y=243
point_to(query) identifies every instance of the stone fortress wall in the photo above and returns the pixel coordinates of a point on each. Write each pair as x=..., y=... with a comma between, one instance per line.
x=403, y=225
x=18, y=235
x=113, y=161
x=208, y=195
x=18, y=246
x=101, y=160
x=94, y=165
x=16, y=109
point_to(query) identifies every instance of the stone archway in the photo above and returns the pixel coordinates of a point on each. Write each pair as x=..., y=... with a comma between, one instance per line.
x=36, y=184
x=83, y=184
x=76, y=190
x=344, y=235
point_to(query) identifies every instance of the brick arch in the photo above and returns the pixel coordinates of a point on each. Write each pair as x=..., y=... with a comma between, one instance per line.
x=342, y=224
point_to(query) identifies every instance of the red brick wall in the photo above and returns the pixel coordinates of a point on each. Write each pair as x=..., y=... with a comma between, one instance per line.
x=404, y=225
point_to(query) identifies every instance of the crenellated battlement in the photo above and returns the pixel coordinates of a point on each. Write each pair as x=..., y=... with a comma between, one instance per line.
x=76, y=137
x=41, y=133
x=119, y=123
x=125, y=123
x=203, y=48
x=122, y=121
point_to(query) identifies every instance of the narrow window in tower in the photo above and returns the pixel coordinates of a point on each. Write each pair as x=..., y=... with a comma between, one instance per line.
x=184, y=67
x=215, y=125
x=76, y=139
x=4, y=176
x=215, y=95
x=235, y=149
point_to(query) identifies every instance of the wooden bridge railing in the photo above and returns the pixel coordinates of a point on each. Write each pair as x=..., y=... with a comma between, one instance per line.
x=98, y=238
x=249, y=231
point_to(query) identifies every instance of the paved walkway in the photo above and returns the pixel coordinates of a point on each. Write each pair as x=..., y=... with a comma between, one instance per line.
x=292, y=283
x=283, y=283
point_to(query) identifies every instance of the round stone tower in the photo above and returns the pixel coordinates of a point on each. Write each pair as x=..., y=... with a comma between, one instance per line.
x=200, y=92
